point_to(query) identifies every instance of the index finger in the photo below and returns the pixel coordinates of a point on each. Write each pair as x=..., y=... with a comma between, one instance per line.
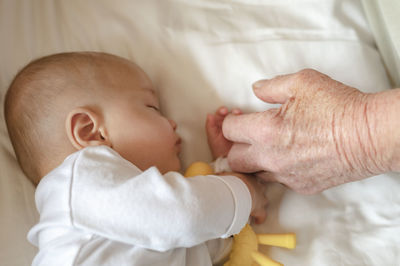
x=245, y=128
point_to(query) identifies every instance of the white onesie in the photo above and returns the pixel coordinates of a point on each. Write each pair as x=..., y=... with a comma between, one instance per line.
x=97, y=208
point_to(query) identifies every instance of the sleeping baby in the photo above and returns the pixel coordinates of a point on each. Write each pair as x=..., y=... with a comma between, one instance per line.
x=87, y=130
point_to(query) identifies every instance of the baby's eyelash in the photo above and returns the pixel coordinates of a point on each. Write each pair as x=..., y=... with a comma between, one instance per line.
x=154, y=107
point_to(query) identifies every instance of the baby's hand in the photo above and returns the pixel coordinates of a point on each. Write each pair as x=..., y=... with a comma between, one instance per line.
x=219, y=145
x=257, y=190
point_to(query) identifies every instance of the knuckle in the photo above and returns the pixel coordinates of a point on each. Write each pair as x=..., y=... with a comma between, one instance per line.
x=305, y=74
x=308, y=71
x=271, y=125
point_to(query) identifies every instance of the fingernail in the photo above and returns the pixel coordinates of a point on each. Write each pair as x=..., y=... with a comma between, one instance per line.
x=223, y=110
x=236, y=112
x=257, y=85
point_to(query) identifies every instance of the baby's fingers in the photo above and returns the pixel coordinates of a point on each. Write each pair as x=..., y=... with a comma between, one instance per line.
x=222, y=111
x=260, y=213
x=259, y=216
x=236, y=111
x=212, y=127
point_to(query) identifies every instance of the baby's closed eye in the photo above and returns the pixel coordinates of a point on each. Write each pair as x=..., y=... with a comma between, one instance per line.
x=154, y=107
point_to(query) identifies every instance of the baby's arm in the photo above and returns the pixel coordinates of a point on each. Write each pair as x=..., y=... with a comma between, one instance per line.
x=114, y=199
x=220, y=147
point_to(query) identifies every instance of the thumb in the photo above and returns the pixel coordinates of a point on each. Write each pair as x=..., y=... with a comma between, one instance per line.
x=275, y=90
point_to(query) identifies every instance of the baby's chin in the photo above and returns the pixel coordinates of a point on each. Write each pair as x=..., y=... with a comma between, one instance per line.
x=175, y=166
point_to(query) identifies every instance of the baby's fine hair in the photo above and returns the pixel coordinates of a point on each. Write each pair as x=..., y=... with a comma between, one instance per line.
x=33, y=99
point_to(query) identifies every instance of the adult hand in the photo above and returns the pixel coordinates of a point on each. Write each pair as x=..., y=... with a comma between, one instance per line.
x=324, y=134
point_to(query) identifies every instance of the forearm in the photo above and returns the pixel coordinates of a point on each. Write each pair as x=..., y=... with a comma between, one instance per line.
x=384, y=113
x=162, y=212
x=372, y=146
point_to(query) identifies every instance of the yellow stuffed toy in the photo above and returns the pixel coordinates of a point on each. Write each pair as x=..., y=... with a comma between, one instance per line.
x=245, y=246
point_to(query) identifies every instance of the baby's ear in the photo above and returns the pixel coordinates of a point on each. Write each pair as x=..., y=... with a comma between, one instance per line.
x=86, y=128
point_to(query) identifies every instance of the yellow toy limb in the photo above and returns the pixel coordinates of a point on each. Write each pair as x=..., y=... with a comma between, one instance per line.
x=245, y=243
x=264, y=260
x=278, y=240
x=199, y=168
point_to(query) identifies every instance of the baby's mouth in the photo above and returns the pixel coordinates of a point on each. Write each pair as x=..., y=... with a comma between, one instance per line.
x=178, y=145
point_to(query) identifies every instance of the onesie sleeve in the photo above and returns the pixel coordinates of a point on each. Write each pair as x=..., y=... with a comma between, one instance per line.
x=113, y=198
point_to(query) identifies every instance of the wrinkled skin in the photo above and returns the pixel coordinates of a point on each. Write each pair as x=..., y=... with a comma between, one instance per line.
x=324, y=133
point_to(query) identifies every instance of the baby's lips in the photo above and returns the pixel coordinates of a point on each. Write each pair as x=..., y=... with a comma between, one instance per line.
x=178, y=145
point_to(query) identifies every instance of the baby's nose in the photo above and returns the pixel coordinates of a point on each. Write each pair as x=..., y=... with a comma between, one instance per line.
x=173, y=124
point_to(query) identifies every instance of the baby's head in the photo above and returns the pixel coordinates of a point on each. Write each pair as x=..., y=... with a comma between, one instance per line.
x=61, y=103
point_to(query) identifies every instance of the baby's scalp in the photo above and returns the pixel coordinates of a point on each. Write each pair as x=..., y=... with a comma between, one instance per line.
x=40, y=97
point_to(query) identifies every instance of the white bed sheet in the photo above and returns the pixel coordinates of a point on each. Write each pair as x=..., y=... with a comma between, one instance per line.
x=201, y=54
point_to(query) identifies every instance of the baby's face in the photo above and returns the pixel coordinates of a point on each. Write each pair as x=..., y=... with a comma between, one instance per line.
x=134, y=124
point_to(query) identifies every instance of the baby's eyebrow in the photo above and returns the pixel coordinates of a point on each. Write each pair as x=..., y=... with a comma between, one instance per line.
x=150, y=90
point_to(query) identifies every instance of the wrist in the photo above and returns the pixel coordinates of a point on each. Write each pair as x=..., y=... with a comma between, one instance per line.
x=364, y=134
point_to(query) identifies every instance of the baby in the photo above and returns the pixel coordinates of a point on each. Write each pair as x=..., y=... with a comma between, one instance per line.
x=87, y=130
